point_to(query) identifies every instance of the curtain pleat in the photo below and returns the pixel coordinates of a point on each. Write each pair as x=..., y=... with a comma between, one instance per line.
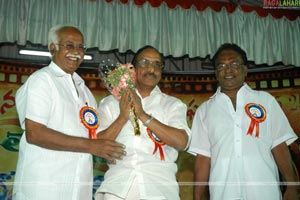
x=177, y=32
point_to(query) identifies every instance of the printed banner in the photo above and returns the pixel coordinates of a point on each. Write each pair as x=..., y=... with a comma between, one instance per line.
x=191, y=89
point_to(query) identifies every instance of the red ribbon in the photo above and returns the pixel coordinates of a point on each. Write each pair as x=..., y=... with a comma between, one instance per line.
x=158, y=144
x=92, y=133
x=253, y=124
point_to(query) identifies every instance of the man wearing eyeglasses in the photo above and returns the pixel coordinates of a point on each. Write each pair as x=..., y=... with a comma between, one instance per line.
x=55, y=154
x=148, y=170
x=240, y=138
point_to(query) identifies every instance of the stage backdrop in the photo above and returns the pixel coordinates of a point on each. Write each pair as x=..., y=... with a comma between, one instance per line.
x=191, y=89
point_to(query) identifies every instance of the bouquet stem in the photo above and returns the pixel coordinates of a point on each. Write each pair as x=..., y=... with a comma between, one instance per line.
x=134, y=121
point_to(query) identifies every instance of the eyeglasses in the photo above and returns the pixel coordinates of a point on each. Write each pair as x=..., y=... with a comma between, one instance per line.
x=232, y=65
x=70, y=46
x=145, y=63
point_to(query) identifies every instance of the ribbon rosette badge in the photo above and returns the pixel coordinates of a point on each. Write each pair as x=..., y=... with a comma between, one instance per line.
x=89, y=118
x=158, y=144
x=257, y=114
x=118, y=77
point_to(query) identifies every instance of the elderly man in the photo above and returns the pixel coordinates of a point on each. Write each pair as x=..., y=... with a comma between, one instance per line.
x=55, y=157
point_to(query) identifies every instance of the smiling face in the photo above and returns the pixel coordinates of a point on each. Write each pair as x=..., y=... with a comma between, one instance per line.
x=149, y=74
x=68, y=59
x=230, y=77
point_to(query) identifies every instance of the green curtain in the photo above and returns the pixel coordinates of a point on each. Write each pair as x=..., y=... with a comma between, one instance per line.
x=177, y=32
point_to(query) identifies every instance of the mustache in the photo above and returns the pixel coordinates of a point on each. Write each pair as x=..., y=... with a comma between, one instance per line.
x=150, y=74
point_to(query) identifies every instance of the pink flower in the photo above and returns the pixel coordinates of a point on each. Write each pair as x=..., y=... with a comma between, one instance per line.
x=116, y=93
x=122, y=83
x=120, y=78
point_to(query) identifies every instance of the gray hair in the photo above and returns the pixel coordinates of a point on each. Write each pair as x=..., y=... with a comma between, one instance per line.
x=53, y=34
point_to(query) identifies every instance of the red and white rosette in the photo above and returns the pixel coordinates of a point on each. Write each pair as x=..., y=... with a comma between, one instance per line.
x=158, y=144
x=89, y=118
x=257, y=114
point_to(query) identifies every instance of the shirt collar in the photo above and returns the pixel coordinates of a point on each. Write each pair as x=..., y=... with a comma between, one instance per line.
x=155, y=90
x=59, y=72
x=243, y=88
x=56, y=69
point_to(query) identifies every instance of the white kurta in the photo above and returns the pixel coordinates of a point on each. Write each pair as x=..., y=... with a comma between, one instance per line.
x=50, y=98
x=156, y=178
x=242, y=166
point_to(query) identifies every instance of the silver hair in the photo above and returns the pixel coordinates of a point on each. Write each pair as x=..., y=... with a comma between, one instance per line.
x=53, y=34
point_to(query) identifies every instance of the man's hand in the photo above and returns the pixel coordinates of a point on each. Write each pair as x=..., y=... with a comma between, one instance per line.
x=137, y=103
x=107, y=149
x=291, y=193
x=40, y=135
x=125, y=103
x=284, y=162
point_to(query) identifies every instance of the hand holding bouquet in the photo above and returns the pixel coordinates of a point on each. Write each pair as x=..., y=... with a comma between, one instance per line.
x=117, y=78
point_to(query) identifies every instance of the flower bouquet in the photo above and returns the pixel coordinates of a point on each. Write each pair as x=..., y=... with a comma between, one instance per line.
x=118, y=77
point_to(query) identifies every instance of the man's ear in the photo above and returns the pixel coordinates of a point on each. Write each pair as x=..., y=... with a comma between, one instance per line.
x=52, y=49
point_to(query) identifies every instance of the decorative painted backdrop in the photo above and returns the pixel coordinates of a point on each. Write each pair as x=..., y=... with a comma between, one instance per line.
x=191, y=89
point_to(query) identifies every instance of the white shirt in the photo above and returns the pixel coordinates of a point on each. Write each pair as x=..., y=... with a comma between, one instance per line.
x=156, y=178
x=49, y=97
x=242, y=166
